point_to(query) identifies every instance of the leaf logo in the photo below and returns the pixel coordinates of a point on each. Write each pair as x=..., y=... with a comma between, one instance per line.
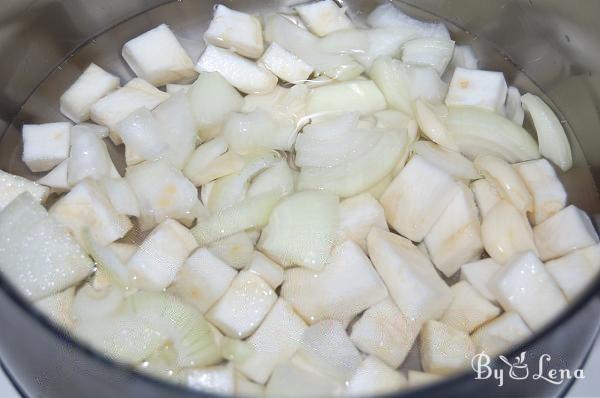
x=519, y=369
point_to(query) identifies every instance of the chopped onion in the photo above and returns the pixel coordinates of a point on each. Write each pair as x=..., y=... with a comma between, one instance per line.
x=302, y=229
x=305, y=45
x=107, y=261
x=277, y=178
x=333, y=142
x=432, y=126
x=391, y=77
x=352, y=96
x=506, y=180
x=551, y=135
x=259, y=129
x=236, y=351
x=482, y=132
x=452, y=163
x=184, y=325
x=250, y=213
x=360, y=174
x=433, y=52
x=231, y=189
x=122, y=337
x=367, y=45
x=388, y=15
x=90, y=303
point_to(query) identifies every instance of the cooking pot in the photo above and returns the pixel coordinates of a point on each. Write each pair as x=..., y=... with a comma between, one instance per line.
x=548, y=47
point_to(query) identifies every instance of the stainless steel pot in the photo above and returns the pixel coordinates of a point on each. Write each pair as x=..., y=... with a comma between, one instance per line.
x=548, y=47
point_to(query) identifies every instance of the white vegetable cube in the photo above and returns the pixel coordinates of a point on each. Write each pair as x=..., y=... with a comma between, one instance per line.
x=455, y=238
x=525, y=287
x=468, y=309
x=506, y=233
x=58, y=307
x=177, y=128
x=203, y=279
x=575, y=271
x=119, y=104
x=444, y=349
x=348, y=96
x=418, y=379
x=121, y=196
x=267, y=269
x=274, y=342
x=93, y=84
x=358, y=215
x=240, y=72
x=176, y=88
x=326, y=347
x=12, y=186
x=141, y=134
x=247, y=388
x=244, y=306
x=486, y=196
x=57, y=178
x=323, y=17
x=162, y=190
x=100, y=131
x=45, y=145
x=212, y=98
x=37, y=254
x=86, y=206
x=411, y=279
x=236, y=250
x=236, y=31
x=384, y=331
x=285, y=65
x=347, y=286
x=290, y=380
x=549, y=195
x=124, y=251
x=89, y=157
x=481, y=88
x=479, y=274
x=158, y=57
x=161, y=255
x=313, y=215
x=374, y=377
x=388, y=15
x=214, y=379
x=417, y=198
x=569, y=229
x=501, y=334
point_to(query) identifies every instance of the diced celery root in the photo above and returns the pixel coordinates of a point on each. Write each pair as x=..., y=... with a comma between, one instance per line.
x=296, y=205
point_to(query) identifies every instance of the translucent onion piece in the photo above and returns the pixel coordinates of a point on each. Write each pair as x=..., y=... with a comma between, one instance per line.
x=107, y=261
x=432, y=126
x=506, y=180
x=250, y=213
x=302, y=229
x=452, y=163
x=354, y=177
x=481, y=132
x=122, y=337
x=552, y=138
x=183, y=324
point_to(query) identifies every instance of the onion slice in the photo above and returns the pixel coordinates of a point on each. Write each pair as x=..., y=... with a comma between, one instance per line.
x=482, y=132
x=191, y=334
x=552, y=138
